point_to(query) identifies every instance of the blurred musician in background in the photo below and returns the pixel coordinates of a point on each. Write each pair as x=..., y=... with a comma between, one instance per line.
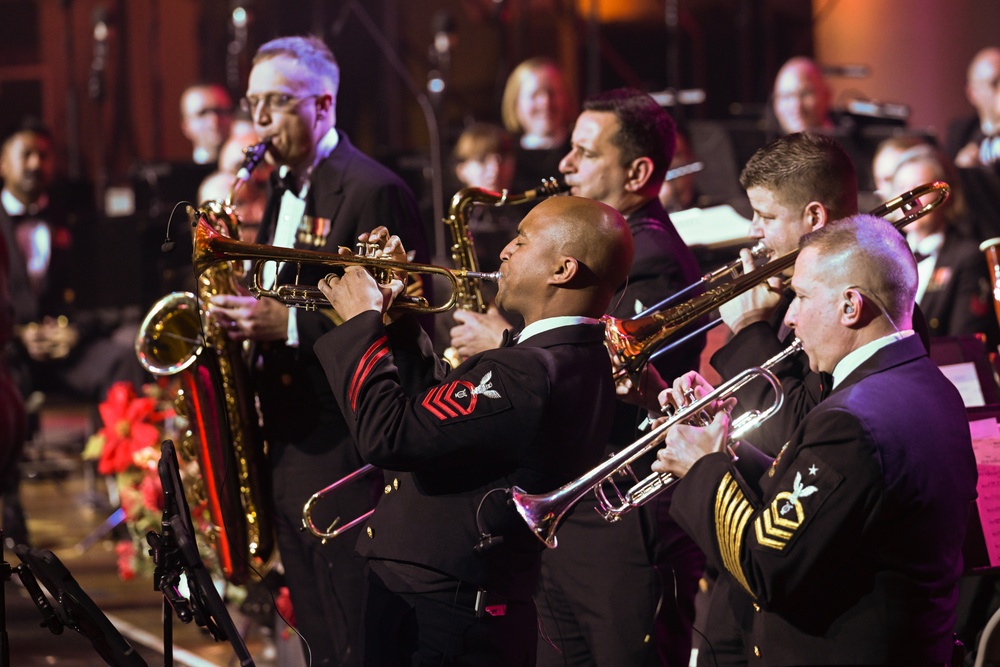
x=537, y=109
x=848, y=544
x=206, y=118
x=324, y=194
x=953, y=289
x=975, y=141
x=887, y=158
x=802, y=97
x=451, y=566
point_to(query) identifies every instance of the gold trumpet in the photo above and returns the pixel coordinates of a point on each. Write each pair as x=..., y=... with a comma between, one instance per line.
x=635, y=340
x=544, y=512
x=210, y=248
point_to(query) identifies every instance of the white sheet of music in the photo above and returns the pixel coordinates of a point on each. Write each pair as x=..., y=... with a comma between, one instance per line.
x=713, y=226
x=986, y=445
x=966, y=379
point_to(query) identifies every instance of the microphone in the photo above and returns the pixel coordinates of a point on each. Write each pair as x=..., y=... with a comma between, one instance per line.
x=95, y=83
x=847, y=71
x=168, y=245
x=886, y=110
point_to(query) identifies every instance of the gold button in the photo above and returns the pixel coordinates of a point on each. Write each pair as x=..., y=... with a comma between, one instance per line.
x=756, y=651
x=756, y=607
x=395, y=483
x=934, y=323
x=371, y=533
x=388, y=489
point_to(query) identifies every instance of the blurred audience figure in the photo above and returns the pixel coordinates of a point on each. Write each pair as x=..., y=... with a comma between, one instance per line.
x=802, y=97
x=953, y=289
x=206, y=118
x=484, y=158
x=537, y=109
x=975, y=141
x=680, y=192
x=60, y=347
x=887, y=158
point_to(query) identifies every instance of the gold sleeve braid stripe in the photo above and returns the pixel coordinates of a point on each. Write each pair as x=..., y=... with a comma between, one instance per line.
x=732, y=513
x=773, y=530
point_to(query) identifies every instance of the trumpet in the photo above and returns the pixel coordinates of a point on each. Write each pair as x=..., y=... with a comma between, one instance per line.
x=211, y=247
x=544, y=512
x=635, y=340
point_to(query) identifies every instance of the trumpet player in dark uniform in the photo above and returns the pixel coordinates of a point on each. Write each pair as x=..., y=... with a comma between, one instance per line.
x=848, y=544
x=324, y=194
x=795, y=184
x=451, y=565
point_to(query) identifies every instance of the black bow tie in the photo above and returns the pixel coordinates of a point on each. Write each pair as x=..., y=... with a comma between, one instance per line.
x=921, y=256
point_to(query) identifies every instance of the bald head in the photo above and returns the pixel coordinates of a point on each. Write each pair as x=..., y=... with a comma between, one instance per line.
x=569, y=257
x=801, y=96
x=983, y=87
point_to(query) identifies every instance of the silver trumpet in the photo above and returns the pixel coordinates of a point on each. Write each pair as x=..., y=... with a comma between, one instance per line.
x=544, y=512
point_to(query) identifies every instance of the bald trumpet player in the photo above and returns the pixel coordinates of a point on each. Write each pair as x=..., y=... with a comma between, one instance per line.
x=845, y=548
x=451, y=567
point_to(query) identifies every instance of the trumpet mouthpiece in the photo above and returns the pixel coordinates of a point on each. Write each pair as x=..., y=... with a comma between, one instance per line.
x=491, y=276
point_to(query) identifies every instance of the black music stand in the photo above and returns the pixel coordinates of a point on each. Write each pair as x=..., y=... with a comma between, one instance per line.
x=174, y=552
x=73, y=608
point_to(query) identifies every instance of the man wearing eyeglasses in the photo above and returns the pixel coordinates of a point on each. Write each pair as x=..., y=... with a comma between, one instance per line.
x=206, y=118
x=324, y=193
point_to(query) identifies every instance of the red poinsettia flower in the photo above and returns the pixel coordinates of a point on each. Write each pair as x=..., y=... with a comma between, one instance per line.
x=128, y=427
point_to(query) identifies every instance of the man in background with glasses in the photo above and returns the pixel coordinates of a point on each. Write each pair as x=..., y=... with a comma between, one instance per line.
x=324, y=193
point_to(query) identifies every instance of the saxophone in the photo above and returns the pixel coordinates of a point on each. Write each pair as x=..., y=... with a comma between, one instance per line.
x=177, y=337
x=469, y=288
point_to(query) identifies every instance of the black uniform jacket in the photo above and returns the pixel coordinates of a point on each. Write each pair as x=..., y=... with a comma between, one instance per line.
x=535, y=415
x=350, y=193
x=850, y=541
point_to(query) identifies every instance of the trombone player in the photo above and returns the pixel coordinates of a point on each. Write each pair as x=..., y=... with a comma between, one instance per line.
x=451, y=567
x=847, y=544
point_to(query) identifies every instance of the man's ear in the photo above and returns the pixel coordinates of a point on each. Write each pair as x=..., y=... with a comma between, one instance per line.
x=816, y=214
x=565, y=270
x=850, y=308
x=638, y=174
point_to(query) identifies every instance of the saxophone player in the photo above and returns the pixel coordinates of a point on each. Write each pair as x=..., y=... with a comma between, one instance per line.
x=323, y=194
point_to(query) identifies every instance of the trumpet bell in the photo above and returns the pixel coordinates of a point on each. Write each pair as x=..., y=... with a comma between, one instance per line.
x=170, y=338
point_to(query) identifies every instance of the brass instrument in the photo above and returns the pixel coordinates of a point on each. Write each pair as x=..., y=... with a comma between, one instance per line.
x=177, y=337
x=992, y=249
x=335, y=529
x=544, y=512
x=211, y=248
x=635, y=340
x=469, y=292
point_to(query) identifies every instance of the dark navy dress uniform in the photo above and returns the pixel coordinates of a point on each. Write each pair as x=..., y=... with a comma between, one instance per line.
x=848, y=545
x=447, y=552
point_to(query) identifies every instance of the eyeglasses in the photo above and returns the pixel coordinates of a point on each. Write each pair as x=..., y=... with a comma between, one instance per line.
x=272, y=102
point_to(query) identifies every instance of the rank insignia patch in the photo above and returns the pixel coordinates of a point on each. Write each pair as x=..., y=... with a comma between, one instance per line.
x=462, y=398
x=789, y=511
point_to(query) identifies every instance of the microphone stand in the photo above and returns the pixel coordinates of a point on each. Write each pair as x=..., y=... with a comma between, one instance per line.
x=165, y=552
x=430, y=118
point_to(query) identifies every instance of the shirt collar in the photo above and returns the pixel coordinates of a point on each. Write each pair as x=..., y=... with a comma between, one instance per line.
x=550, y=323
x=855, y=358
x=14, y=206
x=324, y=148
x=927, y=246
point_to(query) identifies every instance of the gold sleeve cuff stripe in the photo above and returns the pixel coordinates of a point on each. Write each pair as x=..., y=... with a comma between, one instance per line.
x=732, y=513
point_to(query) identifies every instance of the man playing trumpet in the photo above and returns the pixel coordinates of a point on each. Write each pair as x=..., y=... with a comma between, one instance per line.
x=451, y=566
x=848, y=543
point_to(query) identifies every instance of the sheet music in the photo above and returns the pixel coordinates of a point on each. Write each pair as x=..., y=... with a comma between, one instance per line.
x=966, y=379
x=713, y=226
x=986, y=445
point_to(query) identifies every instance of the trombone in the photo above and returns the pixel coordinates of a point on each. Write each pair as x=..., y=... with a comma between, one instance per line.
x=544, y=512
x=635, y=340
x=211, y=247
